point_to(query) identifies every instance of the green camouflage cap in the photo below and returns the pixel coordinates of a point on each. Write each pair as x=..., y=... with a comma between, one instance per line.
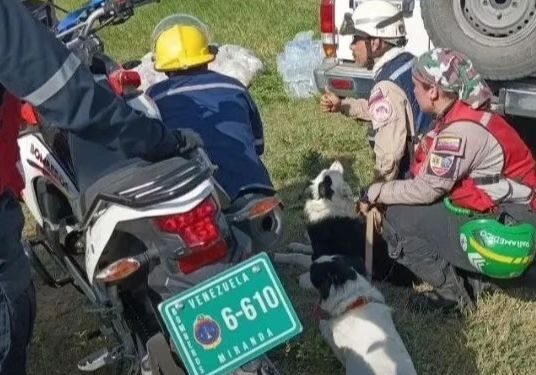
x=453, y=72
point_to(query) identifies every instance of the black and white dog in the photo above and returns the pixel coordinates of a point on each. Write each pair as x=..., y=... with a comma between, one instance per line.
x=356, y=322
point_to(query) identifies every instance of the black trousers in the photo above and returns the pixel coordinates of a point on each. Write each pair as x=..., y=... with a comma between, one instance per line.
x=16, y=326
x=425, y=239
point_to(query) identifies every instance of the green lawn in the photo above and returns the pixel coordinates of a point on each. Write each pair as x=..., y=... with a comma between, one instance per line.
x=498, y=339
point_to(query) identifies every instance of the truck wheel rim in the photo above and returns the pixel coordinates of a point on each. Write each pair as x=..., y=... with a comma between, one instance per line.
x=496, y=21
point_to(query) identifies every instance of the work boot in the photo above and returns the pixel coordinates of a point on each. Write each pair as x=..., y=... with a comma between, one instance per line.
x=449, y=297
x=259, y=366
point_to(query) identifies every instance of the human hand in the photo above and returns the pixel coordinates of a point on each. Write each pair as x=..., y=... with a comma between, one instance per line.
x=188, y=140
x=329, y=102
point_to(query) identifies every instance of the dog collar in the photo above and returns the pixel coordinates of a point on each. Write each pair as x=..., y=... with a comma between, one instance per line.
x=322, y=314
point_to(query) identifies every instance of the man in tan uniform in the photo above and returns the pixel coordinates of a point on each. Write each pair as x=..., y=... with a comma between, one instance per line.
x=378, y=44
x=472, y=157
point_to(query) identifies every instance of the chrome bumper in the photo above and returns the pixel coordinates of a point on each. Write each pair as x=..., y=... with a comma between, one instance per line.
x=330, y=70
x=514, y=98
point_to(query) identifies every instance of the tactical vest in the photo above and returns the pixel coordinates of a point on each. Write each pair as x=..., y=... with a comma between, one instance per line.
x=519, y=164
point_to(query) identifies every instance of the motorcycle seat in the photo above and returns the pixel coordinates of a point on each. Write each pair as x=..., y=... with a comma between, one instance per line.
x=135, y=174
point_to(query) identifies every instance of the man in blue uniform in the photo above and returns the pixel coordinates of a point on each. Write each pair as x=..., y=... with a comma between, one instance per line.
x=216, y=106
x=38, y=69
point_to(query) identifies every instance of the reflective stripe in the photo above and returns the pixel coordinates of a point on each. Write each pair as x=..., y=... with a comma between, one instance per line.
x=403, y=69
x=54, y=83
x=486, y=117
x=207, y=86
x=99, y=77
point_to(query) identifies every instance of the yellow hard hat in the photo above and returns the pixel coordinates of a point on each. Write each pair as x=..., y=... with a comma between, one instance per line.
x=180, y=42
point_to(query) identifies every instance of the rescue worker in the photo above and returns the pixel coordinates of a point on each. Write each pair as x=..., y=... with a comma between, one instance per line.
x=216, y=106
x=379, y=37
x=38, y=69
x=466, y=217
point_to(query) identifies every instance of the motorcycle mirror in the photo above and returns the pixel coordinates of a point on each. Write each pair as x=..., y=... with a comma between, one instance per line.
x=119, y=270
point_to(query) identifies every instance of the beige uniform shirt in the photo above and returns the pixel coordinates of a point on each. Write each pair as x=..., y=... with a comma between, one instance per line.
x=462, y=149
x=391, y=115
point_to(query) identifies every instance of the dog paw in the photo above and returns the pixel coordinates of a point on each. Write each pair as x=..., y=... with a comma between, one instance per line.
x=296, y=247
x=295, y=259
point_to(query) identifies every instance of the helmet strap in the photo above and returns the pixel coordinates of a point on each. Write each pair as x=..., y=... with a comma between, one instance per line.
x=370, y=58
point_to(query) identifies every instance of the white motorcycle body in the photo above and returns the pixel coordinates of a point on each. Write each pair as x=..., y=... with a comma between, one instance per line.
x=38, y=162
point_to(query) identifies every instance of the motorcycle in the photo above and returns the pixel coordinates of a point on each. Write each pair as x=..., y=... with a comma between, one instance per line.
x=140, y=233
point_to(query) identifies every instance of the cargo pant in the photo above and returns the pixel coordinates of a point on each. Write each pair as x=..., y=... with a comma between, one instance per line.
x=426, y=239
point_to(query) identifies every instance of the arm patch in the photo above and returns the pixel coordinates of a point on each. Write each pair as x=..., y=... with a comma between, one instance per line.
x=381, y=111
x=449, y=145
x=442, y=165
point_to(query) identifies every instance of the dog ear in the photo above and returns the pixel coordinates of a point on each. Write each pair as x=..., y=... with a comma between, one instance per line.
x=307, y=192
x=321, y=278
x=324, y=188
x=337, y=166
x=358, y=265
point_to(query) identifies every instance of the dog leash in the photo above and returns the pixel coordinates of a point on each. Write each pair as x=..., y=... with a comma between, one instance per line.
x=373, y=220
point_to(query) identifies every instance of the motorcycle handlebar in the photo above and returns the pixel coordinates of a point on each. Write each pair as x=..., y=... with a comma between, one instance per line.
x=113, y=9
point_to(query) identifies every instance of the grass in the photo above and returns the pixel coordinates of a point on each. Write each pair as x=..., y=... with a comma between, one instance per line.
x=498, y=339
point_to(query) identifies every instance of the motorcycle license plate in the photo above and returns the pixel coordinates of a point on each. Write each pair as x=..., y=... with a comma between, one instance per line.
x=231, y=318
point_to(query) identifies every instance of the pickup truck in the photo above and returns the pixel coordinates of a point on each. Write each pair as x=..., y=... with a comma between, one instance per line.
x=498, y=35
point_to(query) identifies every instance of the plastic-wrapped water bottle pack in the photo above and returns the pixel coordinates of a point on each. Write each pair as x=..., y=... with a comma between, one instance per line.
x=297, y=63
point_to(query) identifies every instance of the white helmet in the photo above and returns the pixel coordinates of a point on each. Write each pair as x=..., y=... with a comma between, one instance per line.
x=376, y=19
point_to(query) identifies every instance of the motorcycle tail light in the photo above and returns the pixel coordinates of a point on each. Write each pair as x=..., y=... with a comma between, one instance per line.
x=199, y=230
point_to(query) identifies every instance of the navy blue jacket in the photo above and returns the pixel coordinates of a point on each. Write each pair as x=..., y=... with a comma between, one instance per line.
x=221, y=110
x=37, y=68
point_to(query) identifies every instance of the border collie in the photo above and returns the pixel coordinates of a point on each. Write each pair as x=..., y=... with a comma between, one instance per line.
x=355, y=321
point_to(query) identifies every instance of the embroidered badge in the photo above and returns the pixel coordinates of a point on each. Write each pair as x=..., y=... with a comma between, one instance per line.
x=450, y=144
x=381, y=111
x=442, y=165
x=207, y=332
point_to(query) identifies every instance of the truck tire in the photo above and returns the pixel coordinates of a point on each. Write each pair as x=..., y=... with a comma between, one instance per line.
x=498, y=35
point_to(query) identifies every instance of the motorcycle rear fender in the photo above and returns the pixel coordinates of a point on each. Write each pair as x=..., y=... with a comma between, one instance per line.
x=103, y=225
x=37, y=161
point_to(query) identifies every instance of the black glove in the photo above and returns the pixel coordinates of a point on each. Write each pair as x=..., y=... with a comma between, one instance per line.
x=187, y=140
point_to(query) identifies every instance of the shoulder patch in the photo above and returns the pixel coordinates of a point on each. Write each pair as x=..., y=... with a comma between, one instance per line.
x=449, y=145
x=452, y=144
x=442, y=165
x=375, y=95
x=380, y=112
